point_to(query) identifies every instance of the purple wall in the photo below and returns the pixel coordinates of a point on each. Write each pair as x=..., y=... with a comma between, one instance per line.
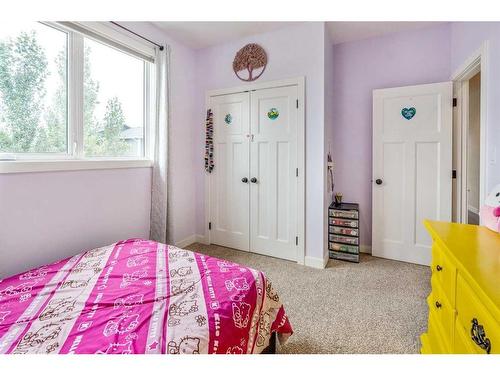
x=293, y=51
x=49, y=216
x=466, y=39
x=406, y=58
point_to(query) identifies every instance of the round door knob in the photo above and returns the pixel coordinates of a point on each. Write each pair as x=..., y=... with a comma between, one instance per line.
x=378, y=181
x=438, y=304
x=253, y=180
x=439, y=268
x=244, y=179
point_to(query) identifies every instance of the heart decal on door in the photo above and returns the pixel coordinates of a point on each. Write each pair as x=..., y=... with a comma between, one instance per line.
x=408, y=113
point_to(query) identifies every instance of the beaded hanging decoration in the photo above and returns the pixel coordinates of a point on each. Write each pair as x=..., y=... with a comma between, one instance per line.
x=209, y=141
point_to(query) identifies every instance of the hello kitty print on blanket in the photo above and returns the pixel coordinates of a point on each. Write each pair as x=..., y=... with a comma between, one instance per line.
x=139, y=296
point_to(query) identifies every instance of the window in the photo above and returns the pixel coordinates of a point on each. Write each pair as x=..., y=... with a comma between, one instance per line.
x=33, y=89
x=68, y=91
x=113, y=101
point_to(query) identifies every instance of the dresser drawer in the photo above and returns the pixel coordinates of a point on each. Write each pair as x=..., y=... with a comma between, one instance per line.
x=475, y=320
x=444, y=270
x=344, y=231
x=440, y=306
x=346, y=214
x=462, y=343
x=344, y=222
x=435, y=335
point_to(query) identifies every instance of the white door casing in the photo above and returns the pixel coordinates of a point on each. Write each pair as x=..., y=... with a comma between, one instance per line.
x=413, y=160
x=273, y=163
x=229, y=196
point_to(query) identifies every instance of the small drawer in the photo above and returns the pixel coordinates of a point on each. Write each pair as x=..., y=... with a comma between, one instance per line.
x=344, y=222
x=344, y=239
x=348, y=214
x=442, y=309
x=444, y=270
x=342, y=247
x=345, y=231
x=435, y=335
x=481, y=328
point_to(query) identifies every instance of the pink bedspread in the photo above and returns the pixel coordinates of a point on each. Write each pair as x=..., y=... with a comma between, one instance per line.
x=140, y=296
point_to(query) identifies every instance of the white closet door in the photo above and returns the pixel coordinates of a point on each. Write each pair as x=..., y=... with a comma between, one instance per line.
x=229, y=194
x=273, y=163
x=412, y=149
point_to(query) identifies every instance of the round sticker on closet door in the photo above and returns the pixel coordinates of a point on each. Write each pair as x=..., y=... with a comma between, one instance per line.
x=228, y=119
x=273, y=114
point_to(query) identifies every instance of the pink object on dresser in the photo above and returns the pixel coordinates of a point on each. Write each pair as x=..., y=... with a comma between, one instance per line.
x=490, y=212
x=139, y=296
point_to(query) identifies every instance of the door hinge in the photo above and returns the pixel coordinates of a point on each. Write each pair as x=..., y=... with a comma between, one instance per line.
x=209, y=225
x=297, y=241
x=296, y=172
x=454, y=173
x=297, y=103
x=454, y=102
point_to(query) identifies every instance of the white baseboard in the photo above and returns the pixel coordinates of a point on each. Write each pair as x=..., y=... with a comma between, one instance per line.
x=366, y=249
x=191, y=240
x=316, y=262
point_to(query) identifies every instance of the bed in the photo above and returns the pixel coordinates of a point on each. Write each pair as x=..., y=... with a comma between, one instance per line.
x=139, y=296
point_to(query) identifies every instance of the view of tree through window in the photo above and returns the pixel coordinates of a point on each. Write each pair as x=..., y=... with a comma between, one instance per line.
x=33, y=89
x=113, y=102
x=34, y=95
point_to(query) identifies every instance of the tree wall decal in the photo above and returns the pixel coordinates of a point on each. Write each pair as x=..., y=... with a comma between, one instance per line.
x=250, y=58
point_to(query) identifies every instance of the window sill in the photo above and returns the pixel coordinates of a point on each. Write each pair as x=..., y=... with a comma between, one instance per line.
x=27, y=166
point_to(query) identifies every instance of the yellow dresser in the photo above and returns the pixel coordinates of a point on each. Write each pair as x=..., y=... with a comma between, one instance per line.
x=464, y=305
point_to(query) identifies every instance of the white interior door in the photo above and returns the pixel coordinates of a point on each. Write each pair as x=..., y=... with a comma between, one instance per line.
x=273, y=187
x=412, y=155
x=229, y=199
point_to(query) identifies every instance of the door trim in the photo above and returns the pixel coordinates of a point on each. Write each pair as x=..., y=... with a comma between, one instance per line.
x=477, y=62
x=301, y=163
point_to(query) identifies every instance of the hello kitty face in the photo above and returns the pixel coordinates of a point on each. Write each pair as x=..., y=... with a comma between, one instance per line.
x=182, y=272
x=139, y=250
x=187, y=345
x=129, y=301
x=183, y=308
x=95, y=266
x=35, y=274
x=136, y=261
x=14, y=290
x=493, y=199
x=234, y=350
x=129, y=278
x=241, y=314
x=74, y=284
x=122, y=324
x=124, y=348
x=239, y=283
x=58, y=307
x=181, y=286
x=174, y=255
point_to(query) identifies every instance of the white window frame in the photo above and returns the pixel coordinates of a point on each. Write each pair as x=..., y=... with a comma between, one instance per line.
x=74, y=158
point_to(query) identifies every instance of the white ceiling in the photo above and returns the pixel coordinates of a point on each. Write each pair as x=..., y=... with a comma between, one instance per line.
x=342, y=32
x=205, y=34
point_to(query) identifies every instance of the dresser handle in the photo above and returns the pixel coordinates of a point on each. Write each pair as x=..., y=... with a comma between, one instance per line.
x=438, y=304
x=439, y=268
x=479, y=336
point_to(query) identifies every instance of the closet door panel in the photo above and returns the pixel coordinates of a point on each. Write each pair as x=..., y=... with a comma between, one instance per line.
x=273, y=197
x=229, y=201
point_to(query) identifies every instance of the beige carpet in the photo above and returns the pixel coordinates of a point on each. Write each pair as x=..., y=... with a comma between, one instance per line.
x=376, y=306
